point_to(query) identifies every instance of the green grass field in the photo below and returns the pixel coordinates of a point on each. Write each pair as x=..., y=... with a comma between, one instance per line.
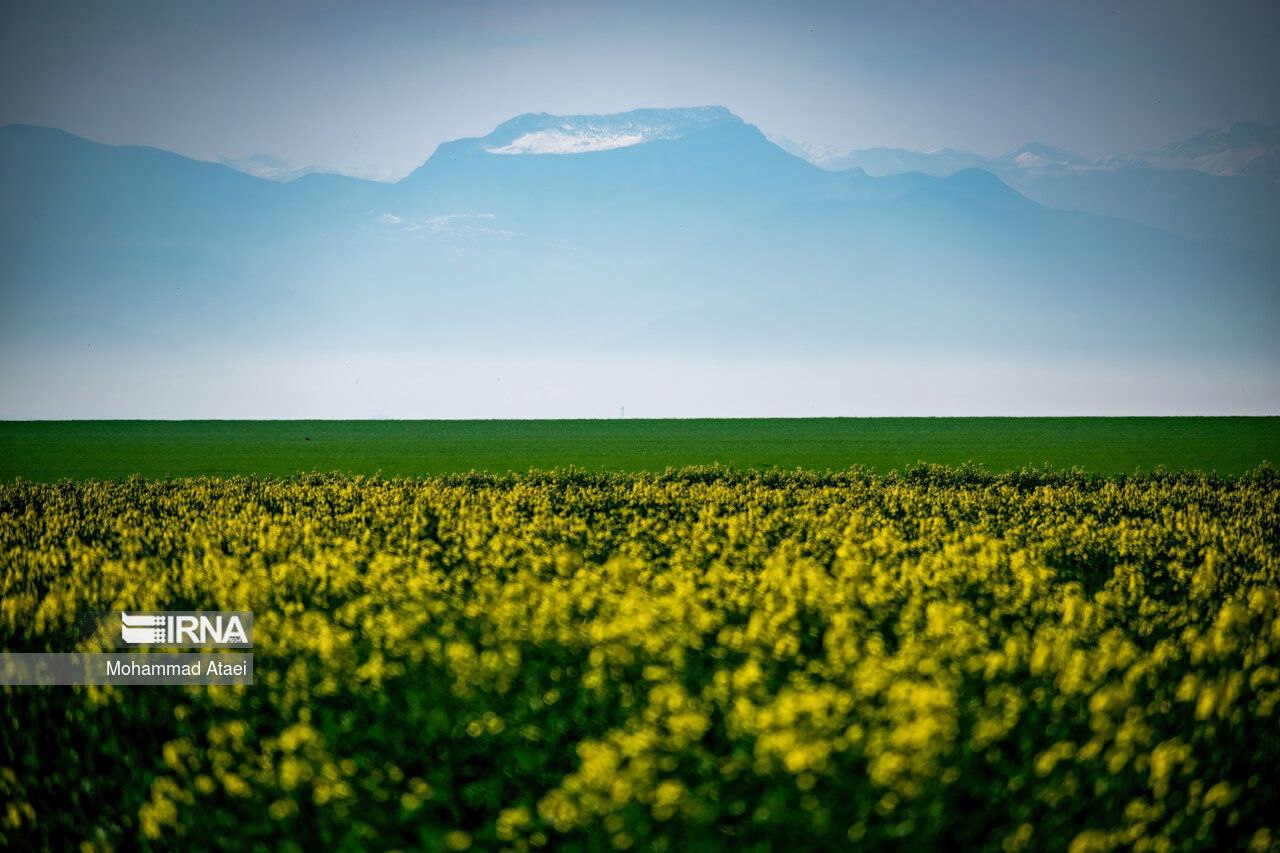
x=53, y=450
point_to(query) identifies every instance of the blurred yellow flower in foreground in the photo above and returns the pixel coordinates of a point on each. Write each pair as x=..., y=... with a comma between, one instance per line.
x=701, y=659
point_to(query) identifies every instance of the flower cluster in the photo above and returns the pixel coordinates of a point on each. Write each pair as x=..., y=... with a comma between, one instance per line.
x=702, y=659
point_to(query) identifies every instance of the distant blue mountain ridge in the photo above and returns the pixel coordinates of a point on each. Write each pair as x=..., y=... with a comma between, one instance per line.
x=1223, y=184
x=653, y=230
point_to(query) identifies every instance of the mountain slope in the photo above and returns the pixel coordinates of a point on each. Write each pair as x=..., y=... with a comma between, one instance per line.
x=881, y=161
x=1240, y=149
x=1222, y=184
x=102, y=242
x=1183, y=201
x=59, y=187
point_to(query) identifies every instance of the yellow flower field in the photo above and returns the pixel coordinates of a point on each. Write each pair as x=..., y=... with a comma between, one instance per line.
x=697, y=660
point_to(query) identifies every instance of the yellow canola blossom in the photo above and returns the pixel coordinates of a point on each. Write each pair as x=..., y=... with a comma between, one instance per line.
x=697, y=660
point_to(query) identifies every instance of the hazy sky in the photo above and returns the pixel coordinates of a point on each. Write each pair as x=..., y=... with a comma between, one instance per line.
x=382, y=83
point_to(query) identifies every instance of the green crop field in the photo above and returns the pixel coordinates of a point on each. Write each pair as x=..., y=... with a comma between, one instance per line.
x=47, y=451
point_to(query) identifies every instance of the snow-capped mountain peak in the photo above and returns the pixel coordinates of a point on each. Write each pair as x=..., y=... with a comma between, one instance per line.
x=1039, y=155
x=542, y=133
x=274, y=168
x=817, y=153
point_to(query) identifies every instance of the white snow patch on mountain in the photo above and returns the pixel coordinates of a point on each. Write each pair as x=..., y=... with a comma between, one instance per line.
x=542, y=133
x=569, y=141
x=278, y=169
x=816, y=153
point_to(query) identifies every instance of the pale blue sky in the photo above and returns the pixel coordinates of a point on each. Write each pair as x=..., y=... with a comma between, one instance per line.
x=381, y=83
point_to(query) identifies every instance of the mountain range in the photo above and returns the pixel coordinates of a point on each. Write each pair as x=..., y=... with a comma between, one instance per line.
x=1223, y=184
x=655, y=231
x=278, y=169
